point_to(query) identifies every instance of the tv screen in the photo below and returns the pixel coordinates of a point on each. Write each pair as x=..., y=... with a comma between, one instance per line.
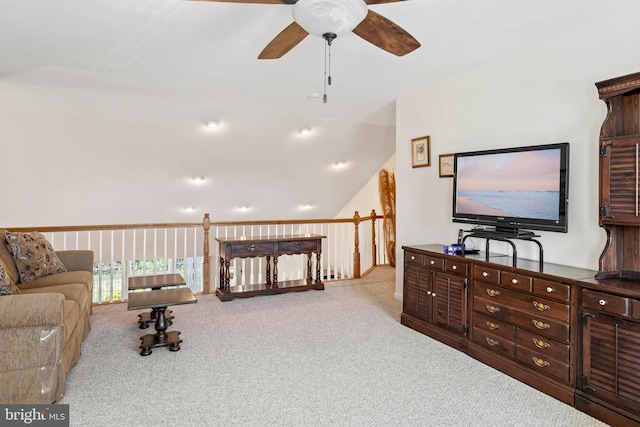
x=512, y=189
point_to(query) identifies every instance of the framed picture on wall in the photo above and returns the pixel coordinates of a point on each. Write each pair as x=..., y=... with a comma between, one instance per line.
x=420, y=152
x=446, y=165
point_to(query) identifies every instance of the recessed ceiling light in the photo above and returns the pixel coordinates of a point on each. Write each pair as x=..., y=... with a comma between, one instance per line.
x=340, y=165
x=243, y=208
x=314, y=95
x=189, y=209
x=212, y=124
x=306, y=206
x=198, y=179
x=305, y=130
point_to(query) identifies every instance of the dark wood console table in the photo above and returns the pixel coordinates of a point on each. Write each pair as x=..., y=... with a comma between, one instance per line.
x=268, y=247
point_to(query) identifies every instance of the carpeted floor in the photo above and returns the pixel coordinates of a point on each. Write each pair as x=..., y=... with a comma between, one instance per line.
x=338, y=357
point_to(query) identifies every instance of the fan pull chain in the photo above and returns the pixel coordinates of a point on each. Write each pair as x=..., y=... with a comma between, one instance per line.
x=324, y=97
x=327, y=62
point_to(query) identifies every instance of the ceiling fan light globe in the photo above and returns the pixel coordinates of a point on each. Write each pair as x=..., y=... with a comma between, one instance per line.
x=318, y=17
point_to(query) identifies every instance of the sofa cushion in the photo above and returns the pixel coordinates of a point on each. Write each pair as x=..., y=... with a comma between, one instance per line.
x=7, y=287
x=75, y=292
x=7, y=260
x=33, y=255
x=67, y=277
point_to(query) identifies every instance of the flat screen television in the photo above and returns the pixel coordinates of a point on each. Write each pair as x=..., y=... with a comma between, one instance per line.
x=513, y=190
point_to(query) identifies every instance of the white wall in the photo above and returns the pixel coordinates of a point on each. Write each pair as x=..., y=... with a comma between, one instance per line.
x=537, y=97
x=368, y=197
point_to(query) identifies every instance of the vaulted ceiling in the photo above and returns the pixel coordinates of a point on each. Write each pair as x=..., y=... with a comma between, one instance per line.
x=108, y=98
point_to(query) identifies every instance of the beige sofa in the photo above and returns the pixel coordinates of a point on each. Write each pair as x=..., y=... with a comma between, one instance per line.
x=42, y=329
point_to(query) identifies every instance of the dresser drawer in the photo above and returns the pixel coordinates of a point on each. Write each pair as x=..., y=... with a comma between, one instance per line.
x=543, y=345
x=543, y=364
x=297, y=246
x=607, y=303
x=257, y=249
x=487, y=275
x=515, y=281
x=413, y=258
x=546, y=327
x=635, y=309
x=555, y=290
x=493, y=326
x=494, y=342
x=434, y=262
x=456, y=267
x=523, y=302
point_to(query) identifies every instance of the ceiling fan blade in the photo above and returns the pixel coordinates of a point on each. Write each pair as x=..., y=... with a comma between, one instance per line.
x=253, y=1
x=387, y=35
x=284, y=42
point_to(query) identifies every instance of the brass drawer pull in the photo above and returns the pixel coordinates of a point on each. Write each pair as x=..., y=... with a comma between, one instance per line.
x=540, y=306
x=454, y=267
x=540, y=325
x=492, y=309
x=549, y=289
x=493, y=293
x=541, y=344
x=252, y=247
x=432, y=262
x=514, y=281
x=492, y=342
x=602, y=302
x=539, y=362
x=413, y=258
x=492, y=326
x=485, y=274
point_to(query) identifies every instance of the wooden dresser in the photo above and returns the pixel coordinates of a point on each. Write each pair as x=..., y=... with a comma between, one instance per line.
x=554, y=327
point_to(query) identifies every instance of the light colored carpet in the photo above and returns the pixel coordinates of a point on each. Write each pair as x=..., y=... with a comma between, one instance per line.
x=338, y=357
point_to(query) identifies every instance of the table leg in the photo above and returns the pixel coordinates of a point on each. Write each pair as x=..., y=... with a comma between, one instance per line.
x=221, y=285
x=275, y=272
x=227, y=277
x=318, y=278
x=268, y=281
x=149, y=341
x=309, y=276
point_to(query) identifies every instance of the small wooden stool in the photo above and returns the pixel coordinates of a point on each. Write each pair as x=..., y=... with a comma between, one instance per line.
x=159, y=300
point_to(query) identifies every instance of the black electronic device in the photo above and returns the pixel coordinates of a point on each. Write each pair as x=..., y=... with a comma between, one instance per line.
x=513, y=189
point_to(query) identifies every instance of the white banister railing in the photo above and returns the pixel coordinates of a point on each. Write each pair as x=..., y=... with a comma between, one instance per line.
x=121, y=251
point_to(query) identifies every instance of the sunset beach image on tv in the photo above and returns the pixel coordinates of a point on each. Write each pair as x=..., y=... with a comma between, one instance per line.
x=513, y=184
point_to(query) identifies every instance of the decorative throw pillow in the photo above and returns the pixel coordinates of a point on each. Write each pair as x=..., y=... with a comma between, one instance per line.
x=33, y=255
x=7, y=287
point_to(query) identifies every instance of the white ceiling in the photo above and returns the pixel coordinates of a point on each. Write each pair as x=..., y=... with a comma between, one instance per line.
x=124, y=86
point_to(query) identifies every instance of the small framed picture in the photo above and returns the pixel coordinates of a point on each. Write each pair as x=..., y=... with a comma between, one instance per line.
x=446, y=165
x=420, y=152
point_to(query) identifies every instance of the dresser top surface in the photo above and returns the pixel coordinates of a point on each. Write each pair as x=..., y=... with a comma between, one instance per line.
x=502, y=260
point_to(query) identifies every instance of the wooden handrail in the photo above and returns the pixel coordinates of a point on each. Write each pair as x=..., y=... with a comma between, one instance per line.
x=61, y=228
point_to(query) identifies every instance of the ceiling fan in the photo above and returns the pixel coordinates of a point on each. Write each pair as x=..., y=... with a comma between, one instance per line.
x=332, y=18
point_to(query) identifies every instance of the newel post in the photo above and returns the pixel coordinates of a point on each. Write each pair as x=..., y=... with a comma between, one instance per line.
x=356, y=252
x=206, y=270
x=374, y=250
